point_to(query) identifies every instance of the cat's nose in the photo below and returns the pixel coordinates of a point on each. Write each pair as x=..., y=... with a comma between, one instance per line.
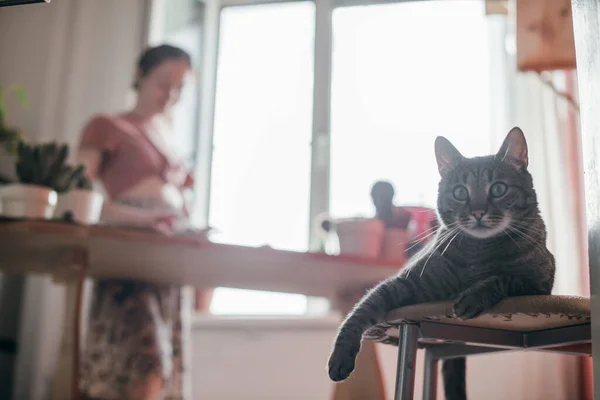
x=478, y=214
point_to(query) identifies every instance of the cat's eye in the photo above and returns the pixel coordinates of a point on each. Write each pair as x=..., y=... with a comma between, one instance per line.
x=460, y=193
x=498, y=189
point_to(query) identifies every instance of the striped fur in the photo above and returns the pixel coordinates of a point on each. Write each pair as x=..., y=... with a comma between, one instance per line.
x=491, y=244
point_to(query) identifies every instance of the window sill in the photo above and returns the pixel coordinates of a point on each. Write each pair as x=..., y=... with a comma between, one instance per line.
x=209, y=322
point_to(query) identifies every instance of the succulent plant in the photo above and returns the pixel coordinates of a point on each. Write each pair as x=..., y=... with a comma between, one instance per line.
x=42, y=164
x=9, y=138
x=80, y=180
x=46, y=165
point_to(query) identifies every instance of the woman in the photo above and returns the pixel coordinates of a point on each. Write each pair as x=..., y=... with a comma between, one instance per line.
x=135, y=334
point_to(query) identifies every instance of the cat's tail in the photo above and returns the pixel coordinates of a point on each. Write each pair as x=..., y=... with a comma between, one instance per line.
x=454, y=373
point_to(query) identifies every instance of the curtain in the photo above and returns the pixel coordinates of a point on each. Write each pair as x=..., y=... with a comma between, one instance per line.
x=543, y=117
x=555, y=164
x=550, y=125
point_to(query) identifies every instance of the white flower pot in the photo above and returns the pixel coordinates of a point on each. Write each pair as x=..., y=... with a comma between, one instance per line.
x=359, y=236
x=27, y=201
x=84, y=205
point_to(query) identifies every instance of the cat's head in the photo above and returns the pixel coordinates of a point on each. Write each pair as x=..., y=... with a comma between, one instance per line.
x=485, y=196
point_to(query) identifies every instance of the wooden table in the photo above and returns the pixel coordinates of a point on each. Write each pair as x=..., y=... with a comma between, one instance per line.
x=71, y=252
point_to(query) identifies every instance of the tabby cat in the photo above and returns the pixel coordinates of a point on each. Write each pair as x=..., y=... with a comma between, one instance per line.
x=491, y=244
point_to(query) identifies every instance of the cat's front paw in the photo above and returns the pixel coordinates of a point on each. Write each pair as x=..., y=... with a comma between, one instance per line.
x=341, y=362
x=468, y=306
x=378, y=333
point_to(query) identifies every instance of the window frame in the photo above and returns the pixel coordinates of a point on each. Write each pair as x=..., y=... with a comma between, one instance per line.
x=319, y=169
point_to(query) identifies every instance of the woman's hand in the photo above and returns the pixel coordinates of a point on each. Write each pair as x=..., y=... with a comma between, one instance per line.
x=125, y=215
x=166, y=224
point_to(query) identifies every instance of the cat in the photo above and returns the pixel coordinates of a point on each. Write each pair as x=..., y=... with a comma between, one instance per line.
x=491, y=244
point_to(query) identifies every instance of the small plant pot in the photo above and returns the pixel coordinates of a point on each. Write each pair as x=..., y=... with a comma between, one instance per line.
x=27, y=201
x=85, y=206
x=360, y=236
x=393, y=247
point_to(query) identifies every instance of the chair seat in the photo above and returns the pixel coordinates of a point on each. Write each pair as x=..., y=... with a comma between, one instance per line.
x=516, y=314
x=540, y=323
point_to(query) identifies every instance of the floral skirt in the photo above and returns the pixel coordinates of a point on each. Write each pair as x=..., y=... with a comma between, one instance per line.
x=137, y=336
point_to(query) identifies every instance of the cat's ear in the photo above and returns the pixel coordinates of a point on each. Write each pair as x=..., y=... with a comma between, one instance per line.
x=514, y=149
x=446, y=154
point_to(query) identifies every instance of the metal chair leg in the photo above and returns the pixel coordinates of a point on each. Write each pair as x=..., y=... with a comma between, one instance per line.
x=431, y=376
x=407, y=357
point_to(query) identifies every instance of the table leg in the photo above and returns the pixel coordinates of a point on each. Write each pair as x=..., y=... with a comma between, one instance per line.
x=66, y=381
x=203, y=299
x=366, y=382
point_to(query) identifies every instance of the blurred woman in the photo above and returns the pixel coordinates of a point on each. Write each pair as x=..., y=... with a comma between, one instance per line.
x=136, y=346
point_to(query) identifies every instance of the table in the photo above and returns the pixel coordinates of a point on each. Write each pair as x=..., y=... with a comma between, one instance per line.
x=71, y=252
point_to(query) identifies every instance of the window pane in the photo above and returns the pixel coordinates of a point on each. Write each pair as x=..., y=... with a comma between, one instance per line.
x=260, y=183
x=403, y=74
x=263, y=121
x=185, y=113
x=251, y=302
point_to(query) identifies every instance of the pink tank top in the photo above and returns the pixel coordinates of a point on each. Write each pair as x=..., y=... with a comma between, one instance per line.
x=129, y=155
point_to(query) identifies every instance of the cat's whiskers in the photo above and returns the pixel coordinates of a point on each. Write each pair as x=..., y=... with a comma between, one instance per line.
x=527, y=228
x=418, y=242
x=527, y=238
x=511, y=238
x=439, y=239
x=450, y=242
x=525, y=225
x=521, y=234
x=454, y=231
x=422, y=236
x=428, y=231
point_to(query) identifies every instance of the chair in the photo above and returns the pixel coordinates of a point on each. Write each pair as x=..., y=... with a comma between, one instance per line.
x=541, y=323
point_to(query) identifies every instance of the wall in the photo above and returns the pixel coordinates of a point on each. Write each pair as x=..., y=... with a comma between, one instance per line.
x=267, y=359
x=262, y=359
x=76, y=58
x=65, y=53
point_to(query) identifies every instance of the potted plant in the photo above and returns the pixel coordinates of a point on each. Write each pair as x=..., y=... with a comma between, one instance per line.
x=39, y=170
x=76, y=198
x=9, y=135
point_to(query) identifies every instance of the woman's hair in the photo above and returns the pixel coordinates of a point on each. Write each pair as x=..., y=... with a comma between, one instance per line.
x=154, y=56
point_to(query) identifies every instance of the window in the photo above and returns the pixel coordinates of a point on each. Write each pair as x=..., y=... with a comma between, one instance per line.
x=228, y=301
x=184, y=116
x=181, y=25
x=263, y=120
x=260, y=184
x=403, y=74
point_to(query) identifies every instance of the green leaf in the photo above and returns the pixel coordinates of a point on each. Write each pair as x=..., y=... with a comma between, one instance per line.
x=3, y=110
x=22, y=96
